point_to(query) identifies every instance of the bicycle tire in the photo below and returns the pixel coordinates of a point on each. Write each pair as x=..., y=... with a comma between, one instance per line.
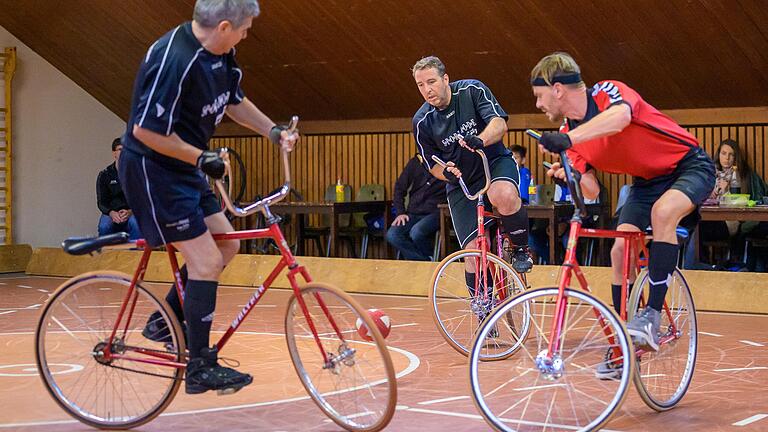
x=373, y=381
x=651, y=385
x=61, y=326
x=533, y=390
x=459, y=331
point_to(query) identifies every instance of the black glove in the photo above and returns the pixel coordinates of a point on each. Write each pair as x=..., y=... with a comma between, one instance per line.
x=275, y=133
x=211, y=163
x=473, y=141
x=450, y=177
x=555, y=142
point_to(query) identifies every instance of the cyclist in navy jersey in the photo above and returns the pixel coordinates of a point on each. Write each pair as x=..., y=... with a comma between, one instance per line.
x=187, y=81
x=611, y=128
x=462, y=115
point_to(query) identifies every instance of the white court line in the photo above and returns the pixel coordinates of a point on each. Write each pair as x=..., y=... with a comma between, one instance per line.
x=477, y=417
x=741, y=369
x=748, y=420
x=434, y=401
x=652, y=375
x=413, y=363
x=24, y=286
x=710, y=334
x=7, y=312
x=42, y=290
x=404, y=325
x=751, y=343
x=540, y=387
x=98, y=307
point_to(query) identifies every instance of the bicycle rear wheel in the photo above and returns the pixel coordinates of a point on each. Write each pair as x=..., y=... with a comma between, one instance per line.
x=530, y=391
x=73, y=332
x=458, y=313
x=662, y=378
x=355, y=385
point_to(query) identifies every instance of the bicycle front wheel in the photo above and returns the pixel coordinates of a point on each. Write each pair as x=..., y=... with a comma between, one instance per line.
x=458, y=311
x=73, y=334
x=351, y=379
x=662, y=378
x=536, y=390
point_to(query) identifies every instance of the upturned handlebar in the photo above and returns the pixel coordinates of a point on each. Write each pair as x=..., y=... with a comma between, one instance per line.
x=572, y=176
x=461, y=179
x=263, y=203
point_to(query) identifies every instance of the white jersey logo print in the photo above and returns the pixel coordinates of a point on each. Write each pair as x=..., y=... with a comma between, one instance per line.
x=160, y=109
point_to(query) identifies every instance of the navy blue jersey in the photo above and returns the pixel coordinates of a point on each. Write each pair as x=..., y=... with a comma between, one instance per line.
x=437, y=132
x=181, y=88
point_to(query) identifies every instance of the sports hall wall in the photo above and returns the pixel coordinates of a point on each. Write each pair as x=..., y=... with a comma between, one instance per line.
x=61, y=141
x=62, y=136
x=378, y=157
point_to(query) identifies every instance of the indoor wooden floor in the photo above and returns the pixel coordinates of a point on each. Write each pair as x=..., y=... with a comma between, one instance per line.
x=727, y=393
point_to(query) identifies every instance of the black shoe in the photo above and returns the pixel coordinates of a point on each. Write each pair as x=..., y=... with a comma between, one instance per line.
x=522, y=261
x=204, y=373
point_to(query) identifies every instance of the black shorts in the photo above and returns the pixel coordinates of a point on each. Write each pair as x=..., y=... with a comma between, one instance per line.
x=169, y=205
x=464, y=211
x=694, y=176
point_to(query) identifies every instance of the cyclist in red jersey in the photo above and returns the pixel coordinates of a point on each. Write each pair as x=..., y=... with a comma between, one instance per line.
x=610, y=127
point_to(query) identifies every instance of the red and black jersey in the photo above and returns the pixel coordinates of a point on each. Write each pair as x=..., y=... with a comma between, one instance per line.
x=650, y=146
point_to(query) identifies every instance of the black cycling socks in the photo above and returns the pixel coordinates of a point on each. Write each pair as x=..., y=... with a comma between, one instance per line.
x=470, y=279
x=516, y=226
x=661, y=263
x=199, y=306
x=616, y=295
x=173, y=296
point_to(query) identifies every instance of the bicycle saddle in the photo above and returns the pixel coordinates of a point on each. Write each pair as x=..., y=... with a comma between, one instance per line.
x=85, y=245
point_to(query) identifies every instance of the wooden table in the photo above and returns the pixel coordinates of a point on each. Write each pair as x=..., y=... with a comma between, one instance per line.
x=334, y=209
x=552, y=212
x=715, y=213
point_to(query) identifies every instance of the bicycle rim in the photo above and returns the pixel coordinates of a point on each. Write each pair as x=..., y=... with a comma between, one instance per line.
x=357, y=388
x=530, y=392
x=455, y=311
x=662, y=378
x=75, y=325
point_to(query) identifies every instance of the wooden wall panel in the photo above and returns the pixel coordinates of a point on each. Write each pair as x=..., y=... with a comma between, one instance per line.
x=379, y=157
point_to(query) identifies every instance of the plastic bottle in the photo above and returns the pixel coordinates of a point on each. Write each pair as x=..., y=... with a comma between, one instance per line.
x=339, y=190
x=532, y=198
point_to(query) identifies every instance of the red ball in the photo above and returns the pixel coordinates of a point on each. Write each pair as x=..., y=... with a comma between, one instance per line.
x=379, y=318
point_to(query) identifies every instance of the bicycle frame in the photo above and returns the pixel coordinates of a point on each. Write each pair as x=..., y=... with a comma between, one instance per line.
x=482, y=240
x=635, y=257
x=287, y=261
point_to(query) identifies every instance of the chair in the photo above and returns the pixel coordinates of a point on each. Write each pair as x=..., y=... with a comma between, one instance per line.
x=359, y=228
x=323, y=231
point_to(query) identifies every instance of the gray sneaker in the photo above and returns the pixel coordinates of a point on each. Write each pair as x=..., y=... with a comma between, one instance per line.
x=644, y=329
x=609, y=369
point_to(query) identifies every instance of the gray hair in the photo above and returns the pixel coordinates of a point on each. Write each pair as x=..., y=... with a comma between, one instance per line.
x=429, y=62
x=209, y=13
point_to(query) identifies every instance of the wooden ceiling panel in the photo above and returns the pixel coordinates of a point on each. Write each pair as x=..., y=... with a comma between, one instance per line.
x=351, y=59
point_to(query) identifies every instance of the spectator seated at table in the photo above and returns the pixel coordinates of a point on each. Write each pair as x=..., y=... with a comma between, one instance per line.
x=733, y=175
x=413, y=230
x=116, y=216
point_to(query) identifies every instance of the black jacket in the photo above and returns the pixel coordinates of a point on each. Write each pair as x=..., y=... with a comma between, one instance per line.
x=109, y=194
x=425, y=193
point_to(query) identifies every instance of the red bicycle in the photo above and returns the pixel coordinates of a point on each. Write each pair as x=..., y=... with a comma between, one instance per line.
x=118, y=379
x=458, y=309
x=573, y=370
